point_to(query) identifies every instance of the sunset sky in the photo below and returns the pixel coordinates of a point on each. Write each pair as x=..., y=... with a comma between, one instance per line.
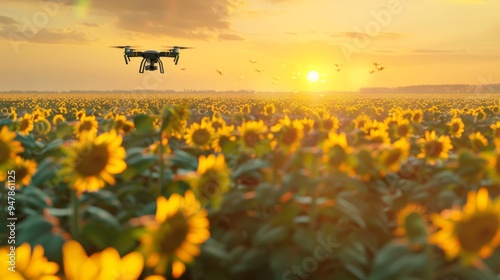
x=63, y=45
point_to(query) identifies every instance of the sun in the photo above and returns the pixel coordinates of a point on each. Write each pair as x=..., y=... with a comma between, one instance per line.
x=313, y=76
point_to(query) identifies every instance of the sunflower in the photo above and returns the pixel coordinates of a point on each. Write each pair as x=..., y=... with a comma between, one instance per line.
x=493, y=159
x=471, y=233
x=29, y=265
x=87, y=124
x=13, y=114
x=245, y=109
x=329, y=123
x=478, y=141
x=479, y=114
x=456, y=127
x=105, y=265
x=378, y=136
x=24, y=170
x=269, y=109
x=93, y=161
x=42, y=126
x=25, y=124
x=127, y=127
x=223, y=137
x=360, y=121
x=58, y=119
x=417, y=116
x=288, y=134
x=253, y=137
x=179, y=228
x=496, y=129
x=9, y=148
x=200, y=135
x=412, y=223
x=213, y=181
x=113, y=267
x=119, y=121
x=391, y=156
x=80, y=114
x=434, y=148
x=307, y=125
x=403, y=128
x=336, y=151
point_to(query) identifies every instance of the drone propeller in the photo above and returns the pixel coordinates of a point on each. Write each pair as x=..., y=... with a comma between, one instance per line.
x=123, y=47
x=178, y=47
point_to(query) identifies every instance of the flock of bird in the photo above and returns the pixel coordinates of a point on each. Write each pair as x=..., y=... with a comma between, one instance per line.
x=337, y=68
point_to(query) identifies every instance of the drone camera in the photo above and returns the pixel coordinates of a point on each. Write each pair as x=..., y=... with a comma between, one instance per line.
x=152, y=68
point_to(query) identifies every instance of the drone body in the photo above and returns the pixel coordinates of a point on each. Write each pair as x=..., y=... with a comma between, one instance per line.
x=151, y=57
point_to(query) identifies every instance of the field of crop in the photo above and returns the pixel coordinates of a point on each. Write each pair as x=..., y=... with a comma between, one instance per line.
x=216, y=187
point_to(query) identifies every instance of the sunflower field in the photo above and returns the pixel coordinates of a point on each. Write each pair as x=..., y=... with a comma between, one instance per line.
x=250, y=186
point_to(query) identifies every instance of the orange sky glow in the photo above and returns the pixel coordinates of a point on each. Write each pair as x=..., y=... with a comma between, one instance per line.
x=63, y=44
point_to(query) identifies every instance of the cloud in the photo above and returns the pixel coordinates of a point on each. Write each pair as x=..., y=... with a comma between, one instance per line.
x=7, y=20
x=196, y=19
x=89, y=24
x=10, y=29
x=431, y=51
x=380, y=35
x=193, y=19
x=230, y=37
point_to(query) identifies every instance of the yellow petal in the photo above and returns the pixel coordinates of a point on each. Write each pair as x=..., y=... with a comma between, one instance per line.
x=178, y=268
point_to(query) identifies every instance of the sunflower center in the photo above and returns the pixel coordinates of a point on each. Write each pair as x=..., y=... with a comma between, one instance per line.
x=328, y=124
x=337, y=155
x=201, y=137
x=393, y=157
x=290, y=136
x=216, y=125
x=477, y=231
x=433, y=149
x=93, y=161
x=251, y=138
x=85, y=126
x=25, y=123
x=174, y=232
x=403, y=130
x=455, y=127
x=21, y=173
x=4, y=152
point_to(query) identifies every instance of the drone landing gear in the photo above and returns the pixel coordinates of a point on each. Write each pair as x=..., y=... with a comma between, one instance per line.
x=161, y=66
x=151, y=67
x=142, y=66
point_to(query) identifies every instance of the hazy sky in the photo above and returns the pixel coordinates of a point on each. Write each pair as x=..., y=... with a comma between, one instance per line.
x=62, y=45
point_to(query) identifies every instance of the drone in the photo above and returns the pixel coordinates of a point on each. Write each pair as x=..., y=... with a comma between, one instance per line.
x=151, y=57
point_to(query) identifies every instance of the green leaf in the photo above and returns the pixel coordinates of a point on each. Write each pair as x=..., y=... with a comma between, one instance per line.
x=269, y=234
x=185, y=160
x=350, y=210
x=396, y=261
x=45, y=172
x=248, y=167
x=102, y=215
x=143, y=123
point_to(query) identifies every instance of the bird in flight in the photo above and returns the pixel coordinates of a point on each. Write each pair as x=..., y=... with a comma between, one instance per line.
x=253, y=61
x=378, y=67
x=259, y=70
x=221, y=72
x=183, y=69
x=337, y=66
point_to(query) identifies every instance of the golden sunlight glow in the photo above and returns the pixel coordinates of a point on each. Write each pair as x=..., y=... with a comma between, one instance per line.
x=313, y=76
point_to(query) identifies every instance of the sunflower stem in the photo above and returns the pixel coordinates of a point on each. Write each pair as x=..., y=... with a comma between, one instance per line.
x=429, y=271
x=159, y=188
x=74, y=215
